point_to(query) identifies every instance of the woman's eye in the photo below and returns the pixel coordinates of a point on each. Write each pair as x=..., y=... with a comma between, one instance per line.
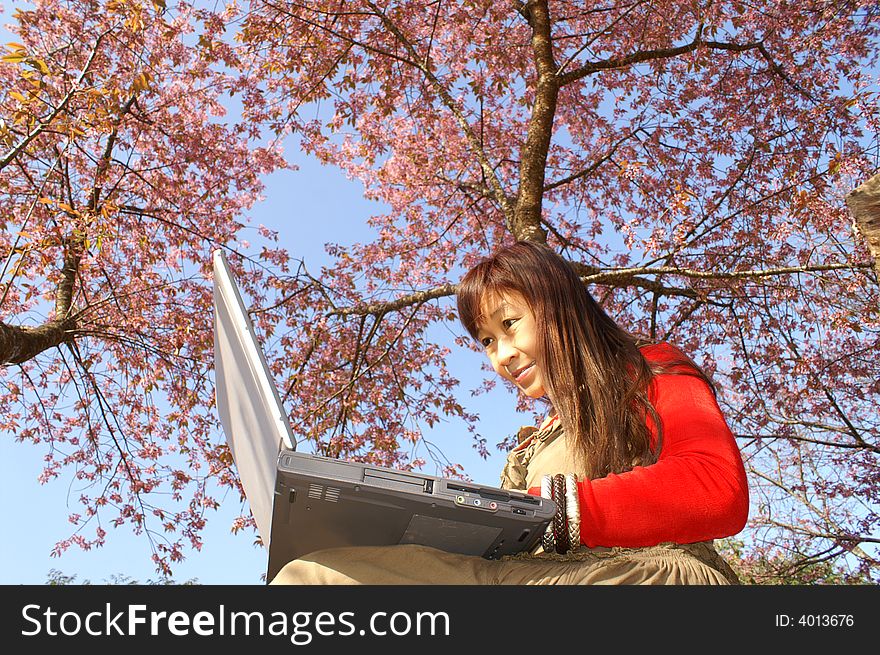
x=486, y=341
x=508, y=322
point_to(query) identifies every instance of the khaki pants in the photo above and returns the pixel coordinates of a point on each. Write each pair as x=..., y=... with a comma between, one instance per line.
x=666, y=564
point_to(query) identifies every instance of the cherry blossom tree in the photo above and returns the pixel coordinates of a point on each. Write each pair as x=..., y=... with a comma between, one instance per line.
x=691, y=158
x=119, y=175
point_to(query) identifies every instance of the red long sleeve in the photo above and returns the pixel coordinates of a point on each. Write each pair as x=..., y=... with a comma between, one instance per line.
x=696, y=491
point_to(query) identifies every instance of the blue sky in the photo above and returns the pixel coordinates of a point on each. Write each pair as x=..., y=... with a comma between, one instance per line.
x=35, y=515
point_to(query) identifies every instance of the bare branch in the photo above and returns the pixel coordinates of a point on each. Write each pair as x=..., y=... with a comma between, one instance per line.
x=632, y=59
x=592, y=168
x=361, y=373
x=838, y=535
x=862, y=445
x=417, y=298
x=606, y=276
x=668, y=53
x=615, y=277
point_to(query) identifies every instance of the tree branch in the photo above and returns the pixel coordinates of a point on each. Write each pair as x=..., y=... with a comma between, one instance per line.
x=40, y=127
x=632, y=59
x=591, y=275
x=668, y=53
x=417, y=298
x=19, y=344
x=533, y=161
x=839, y=534
x=604, y=277
x=592, y=167
x=423, y=64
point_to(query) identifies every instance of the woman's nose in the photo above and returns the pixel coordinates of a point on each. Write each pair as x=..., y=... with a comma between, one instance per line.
x=505, y=350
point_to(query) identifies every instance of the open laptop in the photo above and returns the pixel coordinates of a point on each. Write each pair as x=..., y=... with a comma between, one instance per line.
x=303, y=502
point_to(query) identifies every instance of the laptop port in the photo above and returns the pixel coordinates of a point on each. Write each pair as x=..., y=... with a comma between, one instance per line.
x=459, y=487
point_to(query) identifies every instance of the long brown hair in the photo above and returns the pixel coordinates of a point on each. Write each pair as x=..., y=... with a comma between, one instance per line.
x=594, y=374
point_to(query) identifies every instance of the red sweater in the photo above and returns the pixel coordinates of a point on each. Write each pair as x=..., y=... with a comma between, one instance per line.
x=696, y=491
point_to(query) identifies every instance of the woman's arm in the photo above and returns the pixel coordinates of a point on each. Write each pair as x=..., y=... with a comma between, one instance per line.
x=696, y=491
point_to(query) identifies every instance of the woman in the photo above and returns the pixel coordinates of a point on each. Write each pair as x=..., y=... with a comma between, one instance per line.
x=635, y=450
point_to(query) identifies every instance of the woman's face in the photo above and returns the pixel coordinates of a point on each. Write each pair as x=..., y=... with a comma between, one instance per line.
x=509, y=335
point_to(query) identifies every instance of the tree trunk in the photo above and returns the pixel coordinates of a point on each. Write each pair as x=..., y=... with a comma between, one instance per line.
x=19, y=344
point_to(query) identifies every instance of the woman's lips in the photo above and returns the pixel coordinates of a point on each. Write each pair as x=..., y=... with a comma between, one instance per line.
x=519, y=374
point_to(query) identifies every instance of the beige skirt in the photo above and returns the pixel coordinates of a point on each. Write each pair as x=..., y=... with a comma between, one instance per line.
x=665, y=564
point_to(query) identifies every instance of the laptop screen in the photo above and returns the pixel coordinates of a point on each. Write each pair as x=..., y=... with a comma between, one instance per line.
x=251, y=413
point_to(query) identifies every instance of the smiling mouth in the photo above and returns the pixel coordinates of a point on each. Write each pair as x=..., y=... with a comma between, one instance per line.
x=519, y=373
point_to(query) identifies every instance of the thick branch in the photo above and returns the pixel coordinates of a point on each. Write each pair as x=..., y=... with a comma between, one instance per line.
x=590, y=275
x=19, y=344
x=635, y=58
x=64, y=294
x=533, y=162
x=668, y=53
x=629, y=278
x=598, y=276
x=417, y=298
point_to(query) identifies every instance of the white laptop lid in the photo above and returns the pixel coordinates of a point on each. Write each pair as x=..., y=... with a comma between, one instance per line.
x=251, y=412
